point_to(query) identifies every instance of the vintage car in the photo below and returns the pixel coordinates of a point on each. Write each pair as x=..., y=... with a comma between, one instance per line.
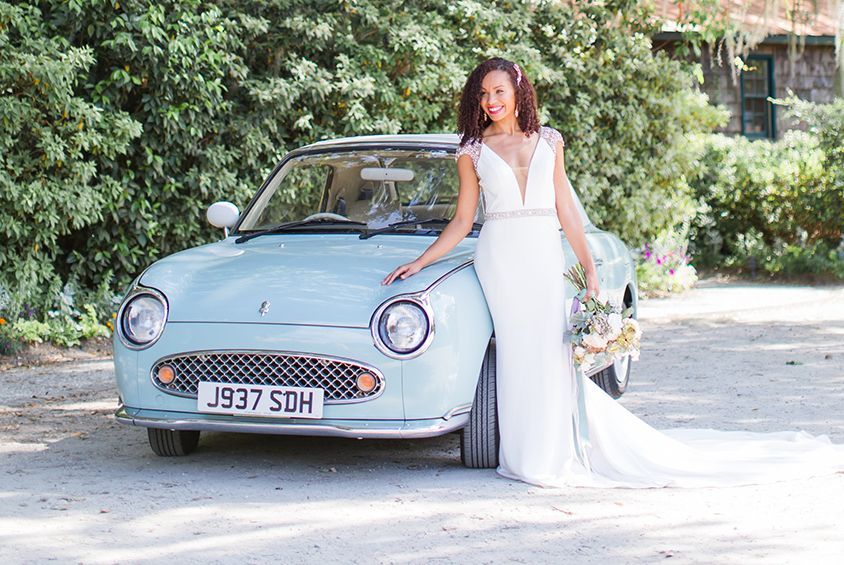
x=284, y=327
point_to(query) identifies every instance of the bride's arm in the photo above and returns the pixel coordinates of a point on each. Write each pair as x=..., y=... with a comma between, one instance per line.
x=455, y=230
x=572, y=224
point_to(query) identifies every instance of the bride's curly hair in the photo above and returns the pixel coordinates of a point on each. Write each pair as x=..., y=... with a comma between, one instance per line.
x=471, y=119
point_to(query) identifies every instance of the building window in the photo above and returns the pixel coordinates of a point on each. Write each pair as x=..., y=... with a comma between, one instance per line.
x=758, y=116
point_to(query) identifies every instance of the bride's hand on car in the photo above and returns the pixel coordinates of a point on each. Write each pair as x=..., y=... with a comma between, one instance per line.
x=403, y=272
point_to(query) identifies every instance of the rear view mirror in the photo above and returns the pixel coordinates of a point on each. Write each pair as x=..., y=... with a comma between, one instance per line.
x=382, y=174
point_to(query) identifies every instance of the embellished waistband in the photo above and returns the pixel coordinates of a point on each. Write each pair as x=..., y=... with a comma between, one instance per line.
x=520, y=213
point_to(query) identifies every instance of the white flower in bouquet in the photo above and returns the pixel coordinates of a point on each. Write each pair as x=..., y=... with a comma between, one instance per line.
x=634, y=327
x=615, y=323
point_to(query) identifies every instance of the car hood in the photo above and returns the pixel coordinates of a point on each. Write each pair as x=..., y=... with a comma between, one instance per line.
x=315, y=279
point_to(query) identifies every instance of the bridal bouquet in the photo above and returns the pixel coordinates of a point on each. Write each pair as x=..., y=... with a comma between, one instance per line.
x=601, y=332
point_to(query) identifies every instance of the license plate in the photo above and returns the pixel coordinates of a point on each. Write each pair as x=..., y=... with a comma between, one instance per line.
x=260, y=400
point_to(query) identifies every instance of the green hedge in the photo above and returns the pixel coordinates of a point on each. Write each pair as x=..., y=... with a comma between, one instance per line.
x=778, y=204
x=154, y=110
x=58, y=158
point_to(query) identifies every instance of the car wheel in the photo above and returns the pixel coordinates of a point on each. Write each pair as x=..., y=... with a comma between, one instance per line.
x=172, y=443
x=479, y=440
x=614, y=378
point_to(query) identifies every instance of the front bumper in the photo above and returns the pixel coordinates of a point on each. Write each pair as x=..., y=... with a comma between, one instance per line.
x=358, y=429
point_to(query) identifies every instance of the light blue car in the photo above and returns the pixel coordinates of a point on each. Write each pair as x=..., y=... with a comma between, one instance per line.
x=283, y=326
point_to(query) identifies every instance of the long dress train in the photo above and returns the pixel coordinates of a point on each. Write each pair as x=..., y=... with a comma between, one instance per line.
x=558, y=428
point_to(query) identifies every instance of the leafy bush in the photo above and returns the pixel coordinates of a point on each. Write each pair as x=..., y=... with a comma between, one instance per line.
x=122, y=121
x=776, y=205
x=816, y=259
x=60, y=328
x=64, y=326
x=58, y=155
x=10, y=343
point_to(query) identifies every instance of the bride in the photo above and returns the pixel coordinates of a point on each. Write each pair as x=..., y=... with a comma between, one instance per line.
x=557, y=428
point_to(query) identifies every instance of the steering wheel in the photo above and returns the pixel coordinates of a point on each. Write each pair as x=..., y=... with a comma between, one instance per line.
x=327, y=216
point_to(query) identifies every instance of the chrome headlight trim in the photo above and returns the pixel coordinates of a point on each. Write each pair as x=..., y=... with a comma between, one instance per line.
x=420, y=300
x=132, y=295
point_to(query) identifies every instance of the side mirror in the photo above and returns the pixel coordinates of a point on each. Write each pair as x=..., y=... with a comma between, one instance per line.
x=222, y=215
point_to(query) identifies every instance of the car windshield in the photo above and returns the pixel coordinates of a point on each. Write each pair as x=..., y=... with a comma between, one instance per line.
x=376, y=187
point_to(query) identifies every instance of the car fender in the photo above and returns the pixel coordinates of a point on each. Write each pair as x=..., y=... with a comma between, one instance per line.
x=441, y=382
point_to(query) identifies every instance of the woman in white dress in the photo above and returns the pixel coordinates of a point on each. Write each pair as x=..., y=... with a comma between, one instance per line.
x=556, y=427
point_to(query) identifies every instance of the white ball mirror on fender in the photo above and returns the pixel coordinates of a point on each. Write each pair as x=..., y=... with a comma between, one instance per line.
x=222, y=215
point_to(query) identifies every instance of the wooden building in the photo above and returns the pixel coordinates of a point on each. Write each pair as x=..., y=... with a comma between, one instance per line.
x=812, y=74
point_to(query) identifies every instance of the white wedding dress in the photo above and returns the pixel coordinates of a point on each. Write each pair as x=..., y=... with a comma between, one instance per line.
x=558, y=428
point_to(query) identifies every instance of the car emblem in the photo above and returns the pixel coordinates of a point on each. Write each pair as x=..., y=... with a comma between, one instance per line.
x=265, y=307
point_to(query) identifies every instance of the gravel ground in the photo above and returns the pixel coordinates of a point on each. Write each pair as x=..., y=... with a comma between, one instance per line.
x=77, y=487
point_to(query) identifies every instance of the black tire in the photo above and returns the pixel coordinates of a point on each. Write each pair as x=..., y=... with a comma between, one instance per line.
x=614, y=378
x=172, y=443
x=479, y=440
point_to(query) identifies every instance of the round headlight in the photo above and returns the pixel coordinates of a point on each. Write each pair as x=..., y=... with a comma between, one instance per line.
x=143, y=319
x=403, y=327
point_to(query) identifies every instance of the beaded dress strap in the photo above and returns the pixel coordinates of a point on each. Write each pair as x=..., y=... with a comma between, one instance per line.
x=552, y=136
x=472, y=149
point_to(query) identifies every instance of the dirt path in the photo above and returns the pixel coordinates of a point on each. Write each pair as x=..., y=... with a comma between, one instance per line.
x=77, y=487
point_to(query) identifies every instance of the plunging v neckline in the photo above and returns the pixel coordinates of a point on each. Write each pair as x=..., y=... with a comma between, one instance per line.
x=523, y=196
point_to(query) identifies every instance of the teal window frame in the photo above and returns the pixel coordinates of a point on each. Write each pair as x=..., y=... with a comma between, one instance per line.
x=746, y=117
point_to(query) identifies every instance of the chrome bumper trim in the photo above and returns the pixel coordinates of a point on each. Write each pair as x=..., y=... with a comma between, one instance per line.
x=404, y=429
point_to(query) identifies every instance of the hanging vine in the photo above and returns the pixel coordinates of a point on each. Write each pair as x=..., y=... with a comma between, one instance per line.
x=734, y=28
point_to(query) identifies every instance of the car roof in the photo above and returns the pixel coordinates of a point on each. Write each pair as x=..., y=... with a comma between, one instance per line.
x=410, y=138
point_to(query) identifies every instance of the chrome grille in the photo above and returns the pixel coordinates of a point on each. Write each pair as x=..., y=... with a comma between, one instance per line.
x=335, y=376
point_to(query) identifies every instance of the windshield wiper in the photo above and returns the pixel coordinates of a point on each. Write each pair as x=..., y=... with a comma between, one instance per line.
x=396, y=225
x=290, y=225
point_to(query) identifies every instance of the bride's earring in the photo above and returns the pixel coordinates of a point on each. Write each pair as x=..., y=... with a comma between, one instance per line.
x=517, y=111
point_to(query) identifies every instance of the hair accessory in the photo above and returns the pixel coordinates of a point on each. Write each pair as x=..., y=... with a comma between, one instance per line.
x=518, y=74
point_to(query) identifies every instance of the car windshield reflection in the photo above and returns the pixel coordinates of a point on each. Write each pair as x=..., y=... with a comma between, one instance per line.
x=375, y=187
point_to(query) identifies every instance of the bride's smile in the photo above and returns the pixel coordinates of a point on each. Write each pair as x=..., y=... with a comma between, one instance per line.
x=498, y=97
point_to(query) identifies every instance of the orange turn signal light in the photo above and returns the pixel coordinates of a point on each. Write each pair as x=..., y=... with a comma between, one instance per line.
x=166, y=374
x=366, y=382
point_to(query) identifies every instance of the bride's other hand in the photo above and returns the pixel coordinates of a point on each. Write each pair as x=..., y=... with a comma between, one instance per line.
x=592, y=286
x=403, y=272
